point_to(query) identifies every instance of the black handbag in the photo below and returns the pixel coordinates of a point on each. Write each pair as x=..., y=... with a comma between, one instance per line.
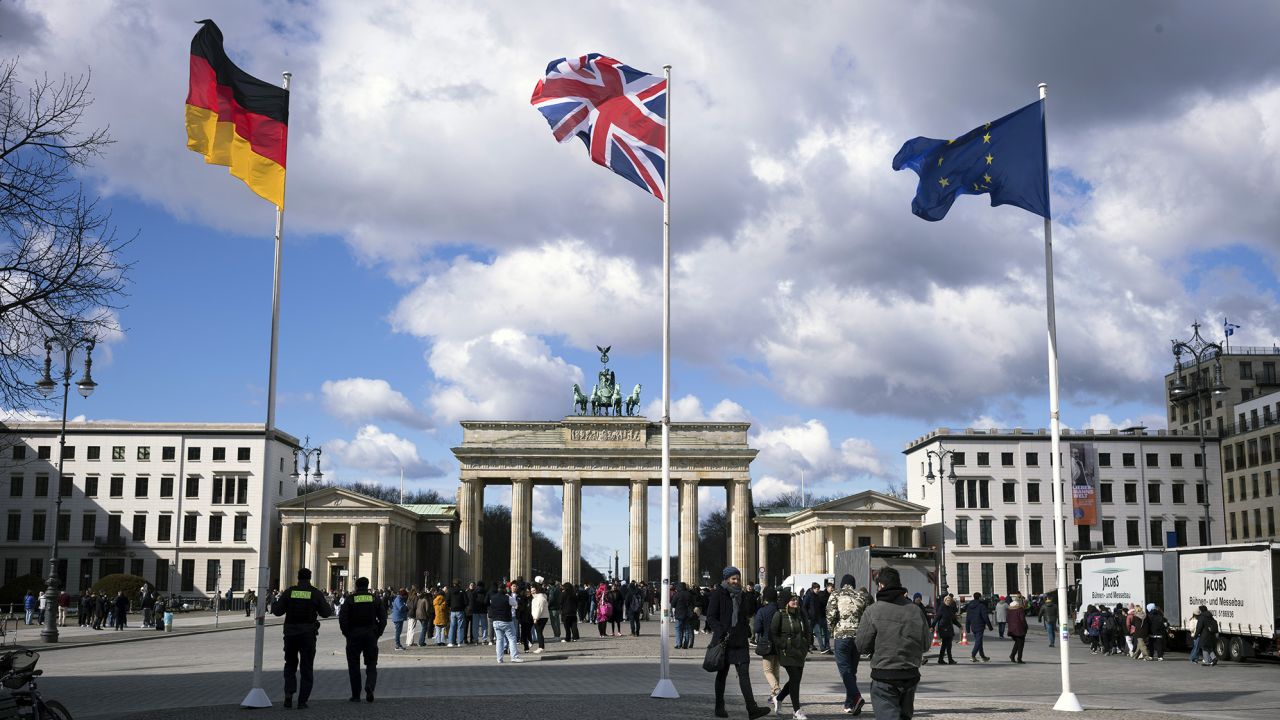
x=715, y=658
x=764, y=646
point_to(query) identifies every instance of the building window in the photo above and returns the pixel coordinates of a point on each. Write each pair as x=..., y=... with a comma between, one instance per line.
x=957, y=458
x=243, y=454
x=219, y=454
x=960, y=486
x=988, y=578
x=1253, y=480
x=211, y=572
x=117, y=486
x=1199, y=493
x=89, y=527
x=1175, y=460
x=984, y=459
x=1033, y=492
x=1006, y=459
x=117, y=452
x=1244, y=524
x=91, y=486
x=164, y=528
x=15, y=486
x=1246, y=370
x=137, y=566
x=1198, y=460
x=140, y=486
x=44, y=452
x=1008, y=491
x=93, y=453
x=144, y=453
x=1180, y=532
x=193, y=454
x=984, y=487
x=1011, y=531
x=19, y=452
x=1231, y=518
x=189, y=528
x=1257, y=521
x=1157, y=533
x=215, y=528
x=188, y=582
x=162, y=574
x=1153, y=493
x=1109, y=533
x=1033, y=459
x=37, y=527
x=64, y=527
x=166, y=486
x=42, y=486
x=113, y=527
x=66, y=485
x=14, y=531
x=68, y=452
x=962, y=531
x=339, y=540
x=1153, y=460
x=1179, y=493
x=1131, y=493
x=242, y=490
x=193, y=486
x=962, y=578
x=242, y=529
x=1033, y=532
x=169, y=453
x=984, y=531
x=1231, y=491
x=1271, y=521
x=1131, y=533
x=237, y=575
x=217, y=489
x=1127, y=459
x=139, y=527
x=1104, y=459
x=1106, y=492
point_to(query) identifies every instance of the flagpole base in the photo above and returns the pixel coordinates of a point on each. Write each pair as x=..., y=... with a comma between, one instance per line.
x=257, y=698
x=665, y=689
x=1068, y=702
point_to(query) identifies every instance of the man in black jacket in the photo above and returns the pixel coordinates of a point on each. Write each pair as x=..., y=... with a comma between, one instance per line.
x=362, y=620
x=682, y=613
x=302, y=605
x=896, y=635
x=729, y=613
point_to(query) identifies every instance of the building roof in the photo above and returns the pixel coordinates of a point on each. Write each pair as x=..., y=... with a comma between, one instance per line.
x=428, y=508
x=998, y=434
x=117, y=427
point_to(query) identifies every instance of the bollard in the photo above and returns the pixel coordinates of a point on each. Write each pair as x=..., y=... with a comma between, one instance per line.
x=168, y=621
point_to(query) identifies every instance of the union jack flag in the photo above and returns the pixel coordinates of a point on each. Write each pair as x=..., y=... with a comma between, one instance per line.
x=619, y=112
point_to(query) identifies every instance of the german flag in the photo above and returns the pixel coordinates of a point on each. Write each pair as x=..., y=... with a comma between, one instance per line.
x=235, y=119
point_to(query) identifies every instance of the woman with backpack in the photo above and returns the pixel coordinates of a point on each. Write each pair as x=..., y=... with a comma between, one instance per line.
x=1092, y=629
x=1157, y=627
x=603, y=609
x=1206, y=633
x=791, y=638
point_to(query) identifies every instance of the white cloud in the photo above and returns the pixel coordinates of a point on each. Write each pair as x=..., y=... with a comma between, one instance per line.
x=361, y=400
x=689, y=409
x=504, y=375
x=382, y=453
x=789, y=452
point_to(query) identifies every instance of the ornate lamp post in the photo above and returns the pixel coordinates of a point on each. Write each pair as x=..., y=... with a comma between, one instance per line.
x=1200, y=350
x=46, y=386
x=305, y=453
x=943, y=456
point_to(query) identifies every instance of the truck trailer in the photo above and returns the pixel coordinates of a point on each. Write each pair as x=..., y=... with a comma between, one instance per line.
x=1127, y=577
x=1238, y=584
x=916, y=566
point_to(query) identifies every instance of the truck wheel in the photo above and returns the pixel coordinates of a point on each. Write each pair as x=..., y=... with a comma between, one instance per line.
x=1223, y=648
x=1237, y=649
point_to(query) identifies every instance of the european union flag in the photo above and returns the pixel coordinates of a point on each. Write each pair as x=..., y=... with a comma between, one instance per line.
x=1005, y=158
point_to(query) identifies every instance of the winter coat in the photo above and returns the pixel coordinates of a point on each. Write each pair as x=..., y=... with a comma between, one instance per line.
x=1207, y=631
x=976, y=618
x=1002, y=611
x=399, y=609
x=763, y=620
x=422, y=610
x=441, y=606
x=844, y=610
x=896, y=634
x=540, y=608
x=720, y=620
x=457, y=599
x=682, y=604
x=791, y=638
x=1017, y=619
x=945, y=621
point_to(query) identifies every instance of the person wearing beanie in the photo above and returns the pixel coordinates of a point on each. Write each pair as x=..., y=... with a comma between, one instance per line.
x=760, y=625
x=791, y=637
x=844, y=611
x=729, y=614
x=896, y=635
x=301, y=605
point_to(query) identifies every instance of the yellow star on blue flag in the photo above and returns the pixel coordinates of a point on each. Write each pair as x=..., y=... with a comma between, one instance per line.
x=1005, y=158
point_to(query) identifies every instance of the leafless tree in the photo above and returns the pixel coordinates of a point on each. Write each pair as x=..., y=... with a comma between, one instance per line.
x=896, y=488
x=60, y=257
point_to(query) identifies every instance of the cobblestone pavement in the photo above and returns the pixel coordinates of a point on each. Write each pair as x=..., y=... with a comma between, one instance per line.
x=207, y=675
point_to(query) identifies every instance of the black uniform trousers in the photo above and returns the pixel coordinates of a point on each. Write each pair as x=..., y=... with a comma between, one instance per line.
x=362, y=642
x=299, y=658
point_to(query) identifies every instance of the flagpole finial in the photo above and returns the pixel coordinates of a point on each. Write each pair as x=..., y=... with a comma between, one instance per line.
x=666, y=67
x=286, y=74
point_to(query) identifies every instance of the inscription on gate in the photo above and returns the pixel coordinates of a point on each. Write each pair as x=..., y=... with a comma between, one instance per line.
x=606, y=434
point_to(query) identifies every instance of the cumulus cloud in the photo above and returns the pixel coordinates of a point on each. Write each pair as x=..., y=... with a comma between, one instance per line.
x=363, y=399
x=689, y=409
x=504, y=375
x=383, y=453
x=788, y=451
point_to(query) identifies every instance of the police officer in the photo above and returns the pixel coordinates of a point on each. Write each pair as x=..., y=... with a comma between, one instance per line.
x=362, y=620
x=300, y=605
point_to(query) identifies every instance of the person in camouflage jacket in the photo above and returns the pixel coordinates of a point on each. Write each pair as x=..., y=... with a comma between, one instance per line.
x=844, y=611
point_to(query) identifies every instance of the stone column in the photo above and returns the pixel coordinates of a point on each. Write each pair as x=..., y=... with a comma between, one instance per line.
x=521, y=527
x=763, y=553
x=381, y=555
x=286, y=555
x=916, y=539
x=446, y=548
x=739, y=519
x=469, y=527
x=730, y=531
x=689, y=532
x=850, y=541
x=889, y=540
x=353, y=555
x=639, y=535
x=313, y=557
x=571, y=534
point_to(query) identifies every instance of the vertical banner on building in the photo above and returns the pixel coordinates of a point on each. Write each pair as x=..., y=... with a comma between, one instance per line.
x=1084, y=483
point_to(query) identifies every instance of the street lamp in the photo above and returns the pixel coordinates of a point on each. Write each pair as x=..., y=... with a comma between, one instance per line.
x=47, y=385
x=305, y=453
x=1200, y=350
x=943, y=456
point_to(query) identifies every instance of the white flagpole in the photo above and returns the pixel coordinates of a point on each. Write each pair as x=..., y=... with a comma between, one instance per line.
x=257, y=697
x=666, y=688
x=1067, y=701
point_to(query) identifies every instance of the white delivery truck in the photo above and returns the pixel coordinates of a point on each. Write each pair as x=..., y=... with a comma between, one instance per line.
x=917, y=567
x=1134, y=577
x=1238, y=584
x=799, y=583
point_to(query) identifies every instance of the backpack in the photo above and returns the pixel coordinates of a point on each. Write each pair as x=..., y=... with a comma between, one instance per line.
x=1095, y=624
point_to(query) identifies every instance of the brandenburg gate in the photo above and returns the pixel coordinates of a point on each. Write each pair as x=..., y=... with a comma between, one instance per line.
x=619, y=450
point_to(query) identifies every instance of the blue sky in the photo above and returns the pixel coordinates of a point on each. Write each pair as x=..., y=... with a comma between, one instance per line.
x=445, y=259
